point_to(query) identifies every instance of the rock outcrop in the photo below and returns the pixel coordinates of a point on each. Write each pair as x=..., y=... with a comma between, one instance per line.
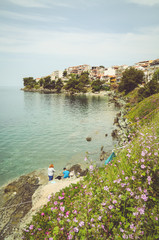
x=78, y=171
x=16, y=201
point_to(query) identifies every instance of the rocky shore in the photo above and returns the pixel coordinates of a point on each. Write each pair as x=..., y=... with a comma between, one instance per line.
x=121, y=132
x=21, y=198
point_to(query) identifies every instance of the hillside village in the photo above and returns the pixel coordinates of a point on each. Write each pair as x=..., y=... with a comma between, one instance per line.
x=109, y=75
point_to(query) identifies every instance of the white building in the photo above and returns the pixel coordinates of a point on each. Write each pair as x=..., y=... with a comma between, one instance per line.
x=56, y=75
x=110, y=71
x=78, y=69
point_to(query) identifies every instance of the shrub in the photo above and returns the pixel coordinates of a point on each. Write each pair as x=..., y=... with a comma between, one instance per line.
x=130, y=79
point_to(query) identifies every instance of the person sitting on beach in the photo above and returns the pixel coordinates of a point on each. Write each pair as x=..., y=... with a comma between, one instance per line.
x=66, y=173
x=51, y=171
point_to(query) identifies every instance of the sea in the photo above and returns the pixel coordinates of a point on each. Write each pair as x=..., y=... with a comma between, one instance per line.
x=37, y=130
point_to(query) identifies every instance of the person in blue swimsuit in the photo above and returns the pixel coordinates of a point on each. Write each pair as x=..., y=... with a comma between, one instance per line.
x=66, y=173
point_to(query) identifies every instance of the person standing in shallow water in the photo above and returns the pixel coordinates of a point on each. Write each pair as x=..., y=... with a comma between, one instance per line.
x=51, y=171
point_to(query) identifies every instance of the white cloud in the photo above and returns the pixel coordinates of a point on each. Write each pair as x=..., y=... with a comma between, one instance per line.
x=40, y=3
x=26, y=3
x=35, y=17
x=144, y=2
x=90, y=45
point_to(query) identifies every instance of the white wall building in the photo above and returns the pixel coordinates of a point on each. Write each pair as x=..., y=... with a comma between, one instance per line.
x=110, y=71
x=56, y=75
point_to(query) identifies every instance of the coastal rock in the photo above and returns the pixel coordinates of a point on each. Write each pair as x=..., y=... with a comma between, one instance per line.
x=116, y=120
x=78, y=171
x=16, y=201
x=89, y=139
x=114, y=133
x=118, y=114
x=103, y=155
x=117, y=104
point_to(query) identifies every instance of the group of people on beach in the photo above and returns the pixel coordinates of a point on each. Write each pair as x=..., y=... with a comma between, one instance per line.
x=51, y=170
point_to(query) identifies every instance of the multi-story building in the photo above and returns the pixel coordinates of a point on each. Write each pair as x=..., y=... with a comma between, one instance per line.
x=148, y=67
x=114, y=74
x=78, y=69
x=154, y=65
x=56, y=75
x=96, y=72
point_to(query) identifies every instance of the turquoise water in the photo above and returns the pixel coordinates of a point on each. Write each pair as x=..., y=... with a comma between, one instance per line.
x=39, y=129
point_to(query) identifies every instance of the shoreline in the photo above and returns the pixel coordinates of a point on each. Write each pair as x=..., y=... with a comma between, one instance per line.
x=47, y=91
x=23, y=197
x=32, y=188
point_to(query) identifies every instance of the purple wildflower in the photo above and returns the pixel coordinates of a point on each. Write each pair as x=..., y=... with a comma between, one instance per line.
x=81, y=224
x=106, y=188
x=76, y=229
x=123, y=184
x=143, y=166
x=91, y=168
x=110, y=207
x=75, y=220
x=141, y=210
x=31, y=227
x=69, y=236
x=75, y=211
x=144, y=197
x=62, y=209
x=61, y=197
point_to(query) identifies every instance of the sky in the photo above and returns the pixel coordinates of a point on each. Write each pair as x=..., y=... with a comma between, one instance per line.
x=38, y=37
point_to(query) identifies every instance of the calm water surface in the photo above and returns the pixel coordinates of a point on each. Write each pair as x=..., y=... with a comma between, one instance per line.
x=39, y=129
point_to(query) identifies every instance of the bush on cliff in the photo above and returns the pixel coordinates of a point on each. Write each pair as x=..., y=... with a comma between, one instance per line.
x=130, y=80
x=150, y=88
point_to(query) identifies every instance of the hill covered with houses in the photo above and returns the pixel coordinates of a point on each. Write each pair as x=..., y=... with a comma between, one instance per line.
x=84, y=78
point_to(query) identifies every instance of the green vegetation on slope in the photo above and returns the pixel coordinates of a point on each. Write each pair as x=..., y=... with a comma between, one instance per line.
x=145, y=110
x=118, y=201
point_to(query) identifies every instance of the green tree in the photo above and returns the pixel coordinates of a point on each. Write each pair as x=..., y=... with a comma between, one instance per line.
x=130, y=80
x=96, y=85
x=29, y=82
x=59, y=85
x=150, y=88
x=72, y=84
x=84, y=78
x=48, y=84
x=64, y=73
x=156, y=75
x=41, y=82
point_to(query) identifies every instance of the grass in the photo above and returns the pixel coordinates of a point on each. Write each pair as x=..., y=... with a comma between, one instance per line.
x=118, y=201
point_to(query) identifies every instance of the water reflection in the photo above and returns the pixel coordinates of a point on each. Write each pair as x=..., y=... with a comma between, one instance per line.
x=51, y=127
x=79, y=100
